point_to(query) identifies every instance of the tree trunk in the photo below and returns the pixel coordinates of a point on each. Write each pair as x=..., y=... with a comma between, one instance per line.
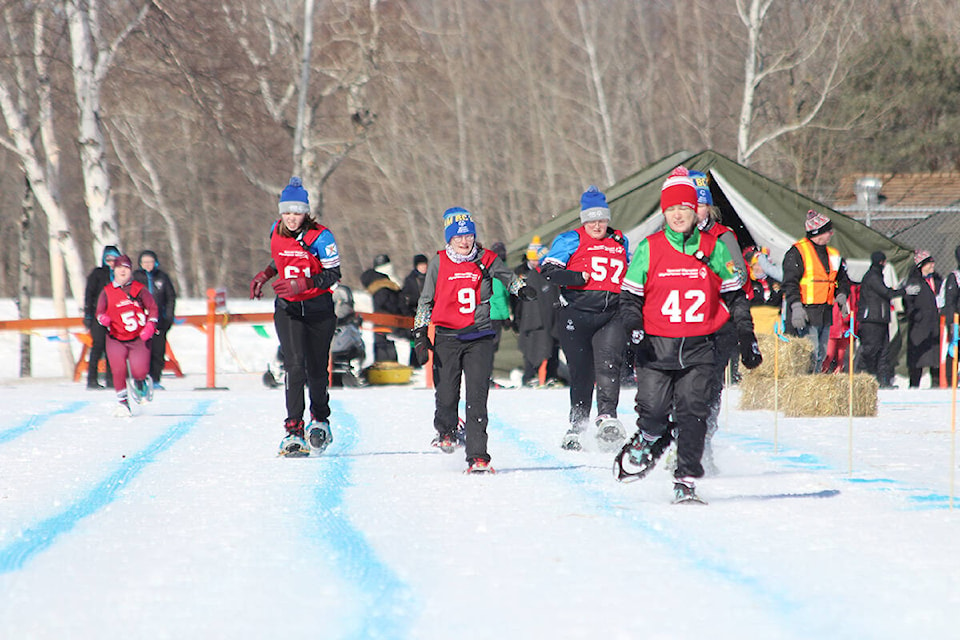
x=25, y=279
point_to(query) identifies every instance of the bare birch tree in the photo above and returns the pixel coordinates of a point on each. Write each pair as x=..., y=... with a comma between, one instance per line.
x=93, y=52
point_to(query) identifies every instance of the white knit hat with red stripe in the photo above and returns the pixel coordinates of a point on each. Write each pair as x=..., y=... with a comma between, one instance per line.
x=817, y=223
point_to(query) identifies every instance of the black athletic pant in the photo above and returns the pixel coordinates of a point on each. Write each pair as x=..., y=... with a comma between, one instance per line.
x=687, y=393
x=98, y=333
x=473, y=360
x=874, y=358
x=158, y=351
x=305, y=344
x=917, y=372
x=593, y=344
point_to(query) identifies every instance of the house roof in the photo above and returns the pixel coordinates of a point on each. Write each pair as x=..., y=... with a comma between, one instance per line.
x=921, y=191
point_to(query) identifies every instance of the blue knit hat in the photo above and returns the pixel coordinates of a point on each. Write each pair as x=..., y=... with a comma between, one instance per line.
x=457, y=222
x=702, y=185
x=294, y=198
x=593, y=205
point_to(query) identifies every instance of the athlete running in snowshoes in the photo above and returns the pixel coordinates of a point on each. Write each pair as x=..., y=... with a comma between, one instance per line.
x=681, y=287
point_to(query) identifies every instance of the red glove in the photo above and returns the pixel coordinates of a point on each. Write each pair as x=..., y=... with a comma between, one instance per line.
x=256, y=285
x=104, y=319
x=148, y=330
x=292, y=286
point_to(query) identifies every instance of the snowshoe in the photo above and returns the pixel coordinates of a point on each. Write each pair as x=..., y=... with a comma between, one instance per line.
x=639, y=456
x=445, y=442
x=478, y=465
x=293, y=445
x=610, y=433
x=132, y=392
x=571, y=439
x=144, y=390
x=684, y=492
x=319, y=436
x=122, y=409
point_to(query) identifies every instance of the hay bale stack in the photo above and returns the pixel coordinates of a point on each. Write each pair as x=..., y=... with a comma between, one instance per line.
x=828, y=395
x=756, y=392
x=793, y=355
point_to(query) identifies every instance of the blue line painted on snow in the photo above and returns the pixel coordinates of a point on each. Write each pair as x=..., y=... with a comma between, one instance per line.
x=35, y=421
x=783, y=604
x=387, y=603
x=919, y=497
x=44, y=534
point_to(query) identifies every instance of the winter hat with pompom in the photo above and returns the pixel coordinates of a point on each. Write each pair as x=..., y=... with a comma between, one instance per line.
x=593, y=205
x=678, y=189
x=294, y=198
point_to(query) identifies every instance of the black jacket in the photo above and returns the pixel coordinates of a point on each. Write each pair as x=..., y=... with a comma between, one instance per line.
x=410, y=291
x=160, y=286
x=97, y=279
x=875, y=297
x=923, y=318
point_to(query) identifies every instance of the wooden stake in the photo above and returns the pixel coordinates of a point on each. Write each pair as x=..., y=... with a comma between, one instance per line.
x=850, y=398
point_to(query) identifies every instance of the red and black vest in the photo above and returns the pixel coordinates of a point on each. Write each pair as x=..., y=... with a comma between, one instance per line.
x=457, y=293
x=682, y=292
x=294, y=260
x=127, y=315
x=605, y=260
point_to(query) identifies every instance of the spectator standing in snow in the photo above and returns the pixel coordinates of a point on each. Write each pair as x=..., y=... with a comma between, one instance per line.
x=410, y=295
x=536, y=320
x=814, y=276
x=97, y=279
x=873, y=316
x=588, y=264
x=676, y=296
x=456, y=299
x=386, y=297
x=129, y=314
x=160, y=286
x=923, y=319
x=305, y=254
x=948, y=300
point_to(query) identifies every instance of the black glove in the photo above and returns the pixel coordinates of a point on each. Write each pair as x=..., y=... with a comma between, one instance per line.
x=527, y=293
x=422, y=345
x=749, y=350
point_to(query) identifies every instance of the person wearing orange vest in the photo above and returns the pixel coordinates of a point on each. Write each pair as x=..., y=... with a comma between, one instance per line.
x=306, y=258
x=814, y=278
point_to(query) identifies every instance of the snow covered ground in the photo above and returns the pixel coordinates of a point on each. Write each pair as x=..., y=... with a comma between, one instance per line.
x=181, y=522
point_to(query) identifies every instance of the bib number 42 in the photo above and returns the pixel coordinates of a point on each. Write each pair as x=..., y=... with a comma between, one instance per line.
x=687, y=310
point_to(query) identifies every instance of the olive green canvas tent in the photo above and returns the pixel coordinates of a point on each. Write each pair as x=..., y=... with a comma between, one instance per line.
x=759, y=210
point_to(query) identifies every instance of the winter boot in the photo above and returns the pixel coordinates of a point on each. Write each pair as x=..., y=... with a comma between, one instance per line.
x=684, y=492
x=293, y=445
x=479, y=465
x=610, y=433
x=445, y=442
x=319, y=436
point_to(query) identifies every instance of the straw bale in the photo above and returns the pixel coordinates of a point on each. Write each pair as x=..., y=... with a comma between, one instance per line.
x=828, y=395
x=756, y=392
x=794, y=356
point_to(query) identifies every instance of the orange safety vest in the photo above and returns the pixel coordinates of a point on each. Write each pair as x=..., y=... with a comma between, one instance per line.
x=817, y=285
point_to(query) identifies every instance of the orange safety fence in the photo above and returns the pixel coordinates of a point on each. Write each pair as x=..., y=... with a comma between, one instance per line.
x=206, y=323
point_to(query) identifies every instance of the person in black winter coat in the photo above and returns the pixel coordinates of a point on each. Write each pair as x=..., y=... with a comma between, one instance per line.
x=536, y=320
x=410, y=294
x=161, y=288
x=386, y=299
x=923, y=319
x=873, y=313
x=949, y=302
x=98, y=278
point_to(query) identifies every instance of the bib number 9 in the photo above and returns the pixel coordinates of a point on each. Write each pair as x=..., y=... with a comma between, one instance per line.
x=467, y=299
x=693, y=301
